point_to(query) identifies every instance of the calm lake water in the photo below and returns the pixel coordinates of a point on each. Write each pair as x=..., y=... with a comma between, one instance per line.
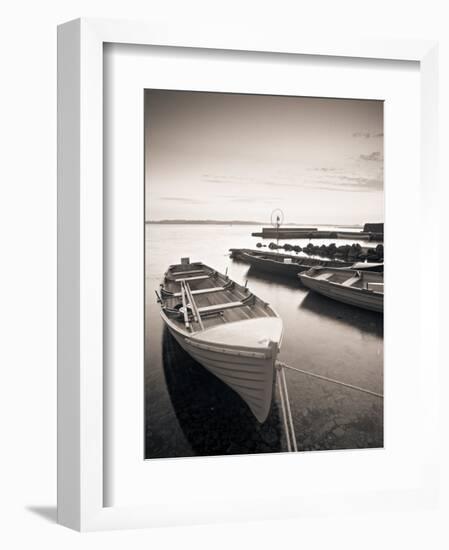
x=189, y=412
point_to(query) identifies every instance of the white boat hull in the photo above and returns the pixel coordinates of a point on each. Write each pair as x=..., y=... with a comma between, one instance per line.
x=352, y=296
x=248, y=371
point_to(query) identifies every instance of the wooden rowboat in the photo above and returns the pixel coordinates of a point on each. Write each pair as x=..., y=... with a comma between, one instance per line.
x=363, y=289
x=284, y=265
x=290, y=266
x=227, y=329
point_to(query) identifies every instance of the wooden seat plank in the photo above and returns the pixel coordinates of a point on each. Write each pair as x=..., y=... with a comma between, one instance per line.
x=188, y=272
x=188, y=279
x=219, y=307
x=204, y=290
x=323, y=276
x=351, y=281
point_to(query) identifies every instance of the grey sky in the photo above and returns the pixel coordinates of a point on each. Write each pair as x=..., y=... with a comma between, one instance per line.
x=231, y=156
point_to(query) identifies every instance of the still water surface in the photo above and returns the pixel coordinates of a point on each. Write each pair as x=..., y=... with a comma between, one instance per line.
x=188, y=412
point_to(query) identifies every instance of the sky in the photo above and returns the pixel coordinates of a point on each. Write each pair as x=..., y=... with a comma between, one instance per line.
x=238, y=157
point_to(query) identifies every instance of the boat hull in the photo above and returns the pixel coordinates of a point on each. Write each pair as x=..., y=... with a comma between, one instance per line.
x=353, y=296
x=276, y=267
x=248, y=371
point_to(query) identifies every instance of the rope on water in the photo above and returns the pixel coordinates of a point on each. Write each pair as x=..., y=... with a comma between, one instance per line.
x=285, y=401
x=289, y=412
x=290, y=434
x=281, y=365
x=284, y=413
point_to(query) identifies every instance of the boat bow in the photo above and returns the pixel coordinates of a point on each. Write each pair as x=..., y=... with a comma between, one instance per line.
x=242, y=354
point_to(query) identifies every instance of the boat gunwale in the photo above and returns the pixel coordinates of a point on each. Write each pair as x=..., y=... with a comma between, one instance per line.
x=224, y=348
x=324, y=283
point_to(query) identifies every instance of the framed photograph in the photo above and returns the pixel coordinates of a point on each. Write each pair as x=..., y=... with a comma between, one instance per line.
x=215, y=165
x=226, y=209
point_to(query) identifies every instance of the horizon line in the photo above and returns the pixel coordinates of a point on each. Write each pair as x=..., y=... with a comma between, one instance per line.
x=250, y=222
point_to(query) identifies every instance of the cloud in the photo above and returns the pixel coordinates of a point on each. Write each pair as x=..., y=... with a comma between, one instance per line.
x=225, y=179
x=323, y=169
x=363, y=186
x=185, y=200
x=252, y=199
x=348, y=183
x=321, y=178
x=244, y=181
x=363, y=183
x=374, y=156
x=368, y=135
x=362, y=134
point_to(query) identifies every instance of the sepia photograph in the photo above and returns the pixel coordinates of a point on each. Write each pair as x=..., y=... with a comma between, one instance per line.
x=264, y=274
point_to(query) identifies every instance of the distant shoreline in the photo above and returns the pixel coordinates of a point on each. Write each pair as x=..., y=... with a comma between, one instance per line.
x=203, y=222
x=240, y=222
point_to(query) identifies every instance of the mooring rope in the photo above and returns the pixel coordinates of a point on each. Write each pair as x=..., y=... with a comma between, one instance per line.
x=289, y=412
x=284, y=413
x=332, y=380
x=289, y=427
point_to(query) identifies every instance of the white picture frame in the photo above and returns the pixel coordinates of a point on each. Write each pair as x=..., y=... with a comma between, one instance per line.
x=80, y=263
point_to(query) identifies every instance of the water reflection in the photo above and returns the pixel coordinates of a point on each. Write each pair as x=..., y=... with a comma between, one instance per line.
x=362, y=319
x=208, y=412
x=272, y=278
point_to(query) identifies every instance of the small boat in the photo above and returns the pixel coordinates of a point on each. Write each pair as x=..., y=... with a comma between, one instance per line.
x=231, y=332
x=363, y=289
x=290, y=266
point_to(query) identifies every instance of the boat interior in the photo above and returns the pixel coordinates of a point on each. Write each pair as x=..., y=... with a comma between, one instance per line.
x=367, y=280
x=196, y=297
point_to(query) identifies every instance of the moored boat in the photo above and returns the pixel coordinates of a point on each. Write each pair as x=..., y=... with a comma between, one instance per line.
x=364, y=289
x=227, y=329
x=284, y=265
x=289, y=265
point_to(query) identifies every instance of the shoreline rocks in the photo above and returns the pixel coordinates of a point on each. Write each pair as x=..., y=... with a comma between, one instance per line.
x=344, y=252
